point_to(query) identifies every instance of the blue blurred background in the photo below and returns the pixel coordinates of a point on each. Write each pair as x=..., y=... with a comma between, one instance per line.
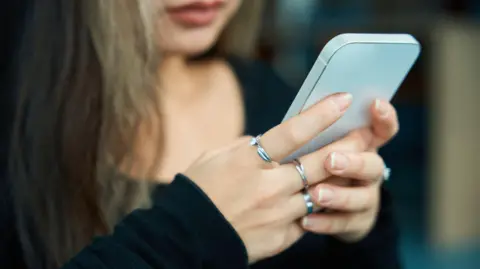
x=434, y=180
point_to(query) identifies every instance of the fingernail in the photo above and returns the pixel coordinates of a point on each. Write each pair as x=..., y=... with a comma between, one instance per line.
x=325, y=196
x=342, y=100
x=305, y=222
x=338, y=161
x=381, y=108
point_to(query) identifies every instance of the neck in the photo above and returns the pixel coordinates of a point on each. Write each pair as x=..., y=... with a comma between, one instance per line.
x=173, y=68
x=177, y=78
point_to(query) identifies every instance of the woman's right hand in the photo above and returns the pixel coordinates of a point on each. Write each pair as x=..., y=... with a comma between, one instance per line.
x=262, y=200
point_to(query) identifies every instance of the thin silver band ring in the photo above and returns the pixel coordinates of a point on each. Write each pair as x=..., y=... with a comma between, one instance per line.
x=306, y=195
x=301, y=171
x=308, y=202
x=255, y=141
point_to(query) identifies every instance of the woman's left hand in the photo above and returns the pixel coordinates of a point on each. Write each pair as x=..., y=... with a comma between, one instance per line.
x=351, y=197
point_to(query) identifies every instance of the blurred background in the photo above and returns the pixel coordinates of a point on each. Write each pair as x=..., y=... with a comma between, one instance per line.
x=434, y=158
x=435, y=182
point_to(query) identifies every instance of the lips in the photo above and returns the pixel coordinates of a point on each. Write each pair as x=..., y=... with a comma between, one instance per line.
x=196, y=14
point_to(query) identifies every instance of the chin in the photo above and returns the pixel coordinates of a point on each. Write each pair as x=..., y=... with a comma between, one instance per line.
x=190, y=42
x=192, y=50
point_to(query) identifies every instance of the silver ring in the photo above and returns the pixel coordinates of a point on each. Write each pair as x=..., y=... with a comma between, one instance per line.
x=308, y=202
x=386, y=173
x=255, y=141
x=301, y=171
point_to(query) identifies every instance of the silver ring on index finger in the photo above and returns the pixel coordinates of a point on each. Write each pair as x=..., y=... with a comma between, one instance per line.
x=255, y=141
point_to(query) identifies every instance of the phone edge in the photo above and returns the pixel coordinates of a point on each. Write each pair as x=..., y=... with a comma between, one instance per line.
x=327, y=53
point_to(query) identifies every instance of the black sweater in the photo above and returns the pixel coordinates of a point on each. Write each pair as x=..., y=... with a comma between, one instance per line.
x=185, y=230
x=182, y=230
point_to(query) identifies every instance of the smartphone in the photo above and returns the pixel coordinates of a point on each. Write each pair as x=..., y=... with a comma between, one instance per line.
x=368, y=66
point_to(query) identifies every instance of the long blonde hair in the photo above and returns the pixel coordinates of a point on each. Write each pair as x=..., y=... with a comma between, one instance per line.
x=87, y=78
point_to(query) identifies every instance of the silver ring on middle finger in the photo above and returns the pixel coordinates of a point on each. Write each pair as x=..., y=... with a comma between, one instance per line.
x=301, y=172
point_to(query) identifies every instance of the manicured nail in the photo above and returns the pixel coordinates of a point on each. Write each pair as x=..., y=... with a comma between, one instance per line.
x=338, y=161
x=381, y=108
x=342, y=100
x=325, y=196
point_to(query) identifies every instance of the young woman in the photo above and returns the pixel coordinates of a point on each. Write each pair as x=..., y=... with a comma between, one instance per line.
x=119, y=96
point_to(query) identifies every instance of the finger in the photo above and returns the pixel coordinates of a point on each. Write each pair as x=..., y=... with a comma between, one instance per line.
x=314, y=169
x=243, y=145
x=339, y=181
x=384, y=122
x=350, y=199
x=335, y=223
x=364, y=137
x=289, y=136
x=297, y=207
x=354, y=142
x=365, y=166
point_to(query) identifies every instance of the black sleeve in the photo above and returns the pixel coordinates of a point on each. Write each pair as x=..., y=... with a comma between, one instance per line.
x=10, y=249
x=378, y=250
x=183, y=229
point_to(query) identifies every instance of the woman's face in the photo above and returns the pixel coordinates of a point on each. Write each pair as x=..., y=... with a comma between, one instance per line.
x=191, y=27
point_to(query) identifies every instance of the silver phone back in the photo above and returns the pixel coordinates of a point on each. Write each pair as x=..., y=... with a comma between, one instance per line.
x=368, y=66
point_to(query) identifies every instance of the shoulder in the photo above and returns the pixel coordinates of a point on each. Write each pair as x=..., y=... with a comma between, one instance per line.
x=267, y=96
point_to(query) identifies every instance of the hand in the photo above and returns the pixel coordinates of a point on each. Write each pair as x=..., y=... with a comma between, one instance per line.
x=261, y=200
x=351, y=196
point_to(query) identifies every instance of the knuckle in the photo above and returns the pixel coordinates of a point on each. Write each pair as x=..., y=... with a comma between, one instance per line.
x=361, y=164
x=270, y=217
x=241, y=162
x=293, y=135
x=267, y=195
x=358, y=144
x=245, y=157
x=242, y=142
x=278, y=242
x=360, y=140
x=367, y=137
x=345, y=202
